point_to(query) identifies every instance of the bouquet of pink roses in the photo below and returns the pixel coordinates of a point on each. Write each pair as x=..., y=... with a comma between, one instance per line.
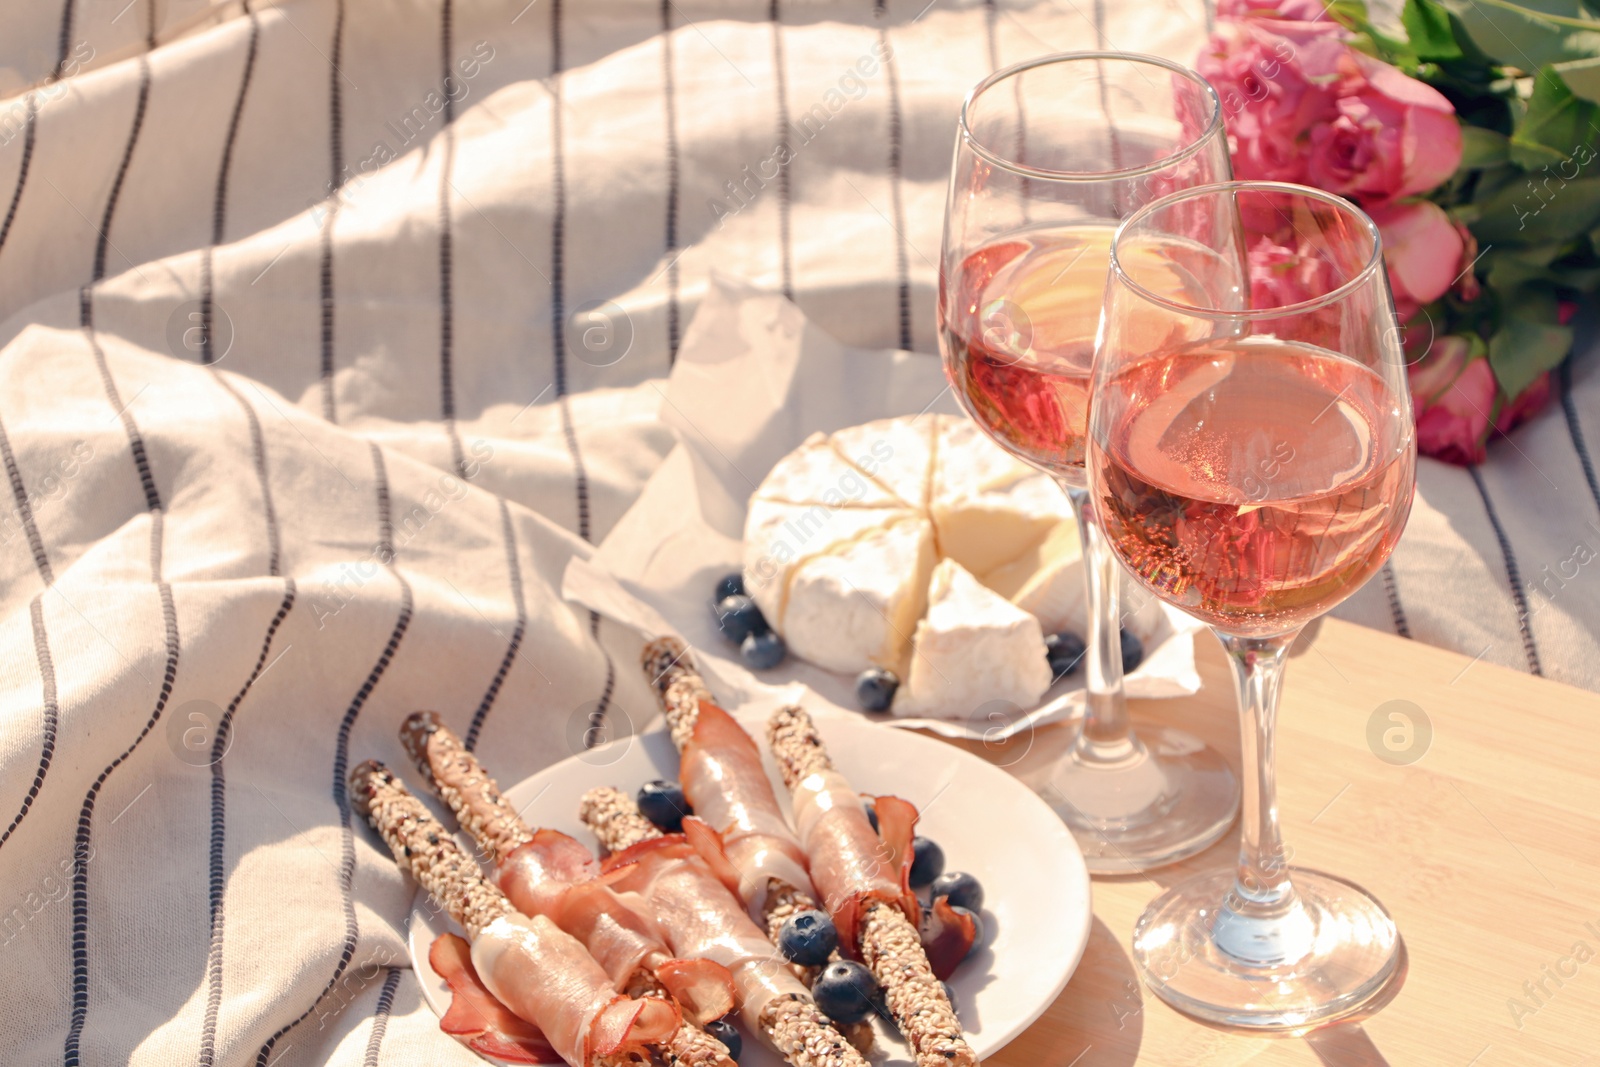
x=1468, y=134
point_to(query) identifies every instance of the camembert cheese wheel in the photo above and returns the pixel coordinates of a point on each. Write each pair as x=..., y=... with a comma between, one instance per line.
x=850, y=535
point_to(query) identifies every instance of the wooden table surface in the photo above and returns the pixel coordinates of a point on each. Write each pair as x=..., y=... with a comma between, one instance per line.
x=1485, y=847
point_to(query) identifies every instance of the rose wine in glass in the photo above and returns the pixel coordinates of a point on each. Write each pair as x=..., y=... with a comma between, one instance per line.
x=1254, y=482
x=1050, y=155
x=1020, y=333
x=1021, y=339
x=1254, y=473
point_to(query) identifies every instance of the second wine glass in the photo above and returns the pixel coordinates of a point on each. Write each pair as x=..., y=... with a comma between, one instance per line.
x=1253, y=459
x=1050, y=156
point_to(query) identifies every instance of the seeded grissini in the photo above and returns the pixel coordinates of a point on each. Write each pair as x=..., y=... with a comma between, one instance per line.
x=725, y=783
x=543, y=975
x=548, y=873
x=702, y=917
x=614, y=818
x=862, y=875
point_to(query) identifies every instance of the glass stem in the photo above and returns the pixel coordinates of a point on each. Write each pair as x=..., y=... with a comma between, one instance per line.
x=1260, y=921
x=1107, y=736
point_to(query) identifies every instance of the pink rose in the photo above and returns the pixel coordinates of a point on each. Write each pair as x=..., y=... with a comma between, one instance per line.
x=1272, y=86
x=1526, y=405
x=1391, y=136
x=1423, y=251
x=1452, y=393
x=1280, y=275
x=1433, y=371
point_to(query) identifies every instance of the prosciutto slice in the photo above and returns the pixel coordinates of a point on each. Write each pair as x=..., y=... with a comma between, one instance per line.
x=485, y=1024
x=545, y=977
x=724, y=780
x=701, y=918
x=947, y=938
x=851, y=863
x=556, y=876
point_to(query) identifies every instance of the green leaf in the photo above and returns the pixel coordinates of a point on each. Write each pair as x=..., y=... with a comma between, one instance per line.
x=1483, y=148
x=1521, y=350
x=1524, y=213
x=1582, y=77
x=1495, y=181
x=1539, y=255
x=1556, y=127
x=1529, y=33
x=1427, y=23
x=1350, y=13
x=1526, y=289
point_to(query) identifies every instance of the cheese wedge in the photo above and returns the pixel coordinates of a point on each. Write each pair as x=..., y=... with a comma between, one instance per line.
x=973, y=647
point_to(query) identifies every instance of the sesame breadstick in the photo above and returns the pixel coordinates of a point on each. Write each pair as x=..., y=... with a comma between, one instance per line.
x=805, y=1037
x=483, y=811
x=677, y=685
x=614, y=818
x=889, y=944
x=423, y=847
x=670, y=669
x=679, y=690
x=461, y=782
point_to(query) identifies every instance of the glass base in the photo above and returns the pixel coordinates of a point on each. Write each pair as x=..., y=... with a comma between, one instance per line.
x=1168, y=798
x=1326, y=955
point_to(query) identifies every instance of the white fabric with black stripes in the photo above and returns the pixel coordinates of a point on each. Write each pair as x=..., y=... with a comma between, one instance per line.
x=331, y=330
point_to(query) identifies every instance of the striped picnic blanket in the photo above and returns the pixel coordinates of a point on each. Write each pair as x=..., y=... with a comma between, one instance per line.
x=330, y=330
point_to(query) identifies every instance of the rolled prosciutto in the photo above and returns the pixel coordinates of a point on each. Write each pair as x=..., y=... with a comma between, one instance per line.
x=549, y=874
x=722, y=777
x=540, y=974
x=850, y=862
x=702, y=918
x=864, y=876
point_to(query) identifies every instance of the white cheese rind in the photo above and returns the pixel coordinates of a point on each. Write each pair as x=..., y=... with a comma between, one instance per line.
x=972, y=647
x=857, y=606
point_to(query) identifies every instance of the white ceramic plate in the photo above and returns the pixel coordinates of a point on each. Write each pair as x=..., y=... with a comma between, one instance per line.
x=1036, y=913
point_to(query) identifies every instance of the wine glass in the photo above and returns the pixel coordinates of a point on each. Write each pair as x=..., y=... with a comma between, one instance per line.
x=1252, y=461
x=1051, y=155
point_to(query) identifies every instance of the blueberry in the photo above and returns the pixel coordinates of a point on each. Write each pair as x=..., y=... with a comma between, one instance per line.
x=763, y=650
x=962, y=889
x=875, y=688
x=730, y=585
x=1132, y=651
x=723, y=1031
x=738, y=617
x=847, y=993
x=663, y=803
x=1065, y=652
x=872, y=813
x=927, y=862
x=808, y=938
